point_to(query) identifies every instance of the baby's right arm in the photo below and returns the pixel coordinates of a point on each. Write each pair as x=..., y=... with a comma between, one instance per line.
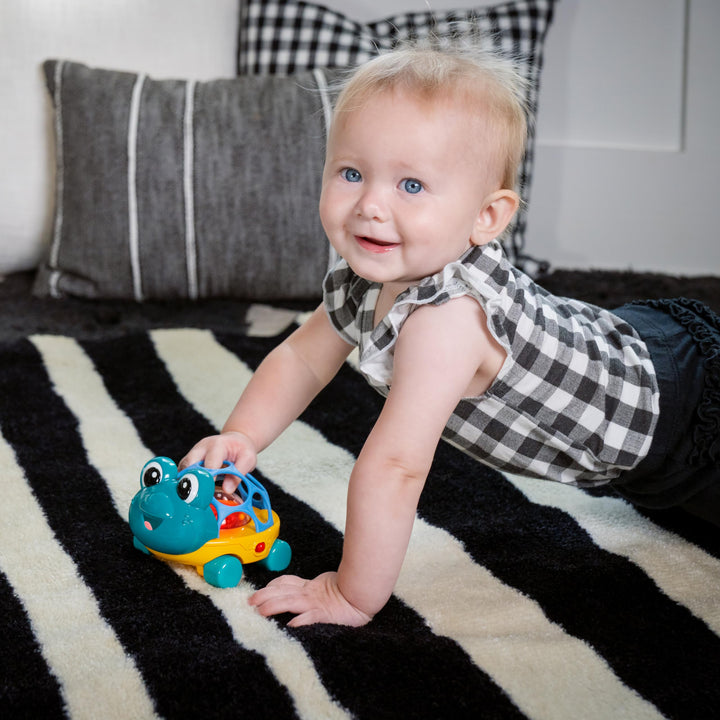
x=280, y=389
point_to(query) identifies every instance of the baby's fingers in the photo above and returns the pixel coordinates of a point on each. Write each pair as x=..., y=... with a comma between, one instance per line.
x=209, y=450
x=216, y=453
x=313, y=601
x=284, y=594
x=279, y=587
x=311, y=617
x=195, y=455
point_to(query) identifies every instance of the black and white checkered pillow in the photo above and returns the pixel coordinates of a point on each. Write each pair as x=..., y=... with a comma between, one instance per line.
x=286, y=36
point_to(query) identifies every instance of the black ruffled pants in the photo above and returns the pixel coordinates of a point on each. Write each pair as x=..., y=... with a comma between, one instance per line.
x=683, y=464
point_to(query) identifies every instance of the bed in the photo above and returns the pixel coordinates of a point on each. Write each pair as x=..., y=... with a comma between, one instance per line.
x=518, y=598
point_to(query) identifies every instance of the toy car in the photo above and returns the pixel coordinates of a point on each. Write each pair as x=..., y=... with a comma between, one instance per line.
x=183, y=516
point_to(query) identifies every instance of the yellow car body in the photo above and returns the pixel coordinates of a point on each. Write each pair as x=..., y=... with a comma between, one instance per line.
x=242, y=542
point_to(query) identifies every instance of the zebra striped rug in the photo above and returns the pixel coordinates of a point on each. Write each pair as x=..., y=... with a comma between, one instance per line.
x=517, y=598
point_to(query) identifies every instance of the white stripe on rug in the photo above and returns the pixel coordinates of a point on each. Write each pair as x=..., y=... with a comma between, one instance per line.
x=113, y=445
x=117, y=452
x=61, y=607
x=683, y=571
x=548, y=673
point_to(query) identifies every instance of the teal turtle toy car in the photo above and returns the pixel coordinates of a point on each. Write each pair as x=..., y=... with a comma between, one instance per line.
x=184, y=516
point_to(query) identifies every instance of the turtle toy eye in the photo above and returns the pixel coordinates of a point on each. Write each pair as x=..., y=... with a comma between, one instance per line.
x=157, y=470
x=188, y=487
x=152, y=474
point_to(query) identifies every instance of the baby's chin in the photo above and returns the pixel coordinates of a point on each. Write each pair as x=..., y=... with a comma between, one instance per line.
x=398, y=283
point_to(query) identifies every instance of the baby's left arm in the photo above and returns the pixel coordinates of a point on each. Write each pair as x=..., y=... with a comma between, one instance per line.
x=440, y=353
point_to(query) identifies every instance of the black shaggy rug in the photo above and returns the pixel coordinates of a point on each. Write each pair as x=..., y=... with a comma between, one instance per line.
x=21, y=314
x=517, y=599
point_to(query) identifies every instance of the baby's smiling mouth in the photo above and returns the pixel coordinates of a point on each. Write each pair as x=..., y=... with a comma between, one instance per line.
x=374, y=245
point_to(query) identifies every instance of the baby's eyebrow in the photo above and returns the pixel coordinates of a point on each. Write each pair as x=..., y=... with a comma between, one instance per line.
x=341, y=158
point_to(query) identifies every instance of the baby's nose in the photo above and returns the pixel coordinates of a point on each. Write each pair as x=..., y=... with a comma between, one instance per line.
x=372, y=205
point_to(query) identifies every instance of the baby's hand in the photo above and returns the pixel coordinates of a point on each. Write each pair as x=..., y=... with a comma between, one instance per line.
x=216, y=449
x=312, y=601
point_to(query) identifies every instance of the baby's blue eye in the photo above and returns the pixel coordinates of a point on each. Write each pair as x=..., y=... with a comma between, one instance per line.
x=412, y=186
x=351, y=175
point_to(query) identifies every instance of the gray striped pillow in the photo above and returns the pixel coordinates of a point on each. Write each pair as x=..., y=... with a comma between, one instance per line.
x=182, y=189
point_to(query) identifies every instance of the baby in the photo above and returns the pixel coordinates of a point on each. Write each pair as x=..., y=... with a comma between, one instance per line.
x=418, y=185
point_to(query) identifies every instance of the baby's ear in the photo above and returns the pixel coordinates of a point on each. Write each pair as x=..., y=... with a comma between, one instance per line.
x=495, y=215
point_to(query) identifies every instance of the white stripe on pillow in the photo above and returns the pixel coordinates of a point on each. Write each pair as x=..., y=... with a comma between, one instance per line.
x=59, y=183
x=188, y=176
x=133, y=238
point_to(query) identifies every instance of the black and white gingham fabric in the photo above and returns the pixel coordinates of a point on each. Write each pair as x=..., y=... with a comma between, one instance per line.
x=287, y=36
x=577, y=399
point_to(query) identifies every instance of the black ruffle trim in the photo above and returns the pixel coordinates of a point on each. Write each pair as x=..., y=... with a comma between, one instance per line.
x=703, y=325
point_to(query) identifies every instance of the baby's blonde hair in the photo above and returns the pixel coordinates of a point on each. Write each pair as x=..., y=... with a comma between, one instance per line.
x=468, y=72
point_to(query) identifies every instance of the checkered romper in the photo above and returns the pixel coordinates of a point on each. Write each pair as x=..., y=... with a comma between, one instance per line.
x=576, y=399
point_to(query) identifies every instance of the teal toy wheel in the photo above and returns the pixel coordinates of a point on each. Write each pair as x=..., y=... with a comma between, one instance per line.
x=279, y=556
x=224, y=571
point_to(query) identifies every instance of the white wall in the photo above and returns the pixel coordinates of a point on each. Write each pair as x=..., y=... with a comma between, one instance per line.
x=622, y=193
